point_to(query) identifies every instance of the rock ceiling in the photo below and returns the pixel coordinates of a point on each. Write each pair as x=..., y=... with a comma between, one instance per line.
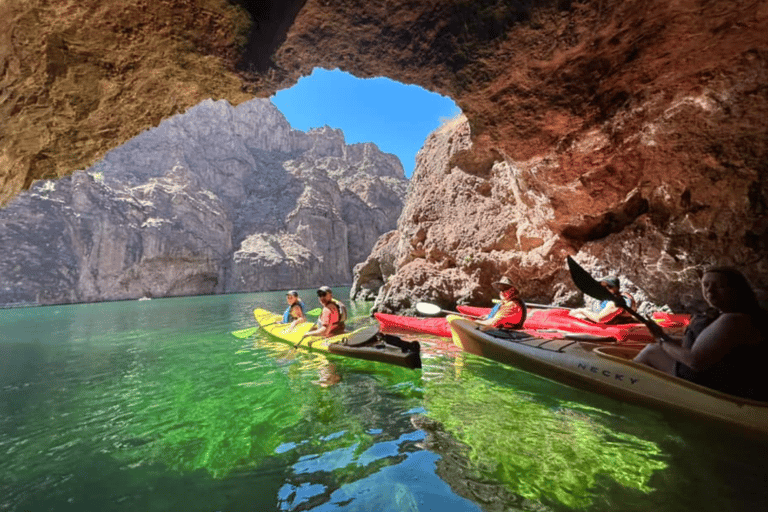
x=642, y=122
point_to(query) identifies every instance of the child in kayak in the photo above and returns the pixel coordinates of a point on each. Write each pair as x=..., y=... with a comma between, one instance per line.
x=510, y=313
x=294, y=313
x=607, y=311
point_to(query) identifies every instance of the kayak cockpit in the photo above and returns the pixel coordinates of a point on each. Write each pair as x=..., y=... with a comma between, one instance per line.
x=625, y=352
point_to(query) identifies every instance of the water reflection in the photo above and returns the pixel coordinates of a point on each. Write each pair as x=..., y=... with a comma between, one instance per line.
x=540, y=448
x=154, y=405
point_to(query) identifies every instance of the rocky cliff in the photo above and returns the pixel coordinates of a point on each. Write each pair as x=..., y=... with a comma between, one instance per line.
x=631, y=134
x=219, y=199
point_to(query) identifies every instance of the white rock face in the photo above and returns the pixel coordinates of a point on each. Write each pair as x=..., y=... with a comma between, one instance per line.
x=219, y=199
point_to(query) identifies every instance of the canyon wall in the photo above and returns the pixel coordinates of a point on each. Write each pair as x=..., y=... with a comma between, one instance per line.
x=219, y=199
x=629, y=134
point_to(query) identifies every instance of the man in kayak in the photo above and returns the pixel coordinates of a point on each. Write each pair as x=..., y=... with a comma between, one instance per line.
x=725, y=348
x=510, y=313
x=294, y=313
x=333, y=316
x=607, y=311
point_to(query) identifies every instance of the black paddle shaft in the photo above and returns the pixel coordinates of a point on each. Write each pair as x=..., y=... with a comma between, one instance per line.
x=587, y=284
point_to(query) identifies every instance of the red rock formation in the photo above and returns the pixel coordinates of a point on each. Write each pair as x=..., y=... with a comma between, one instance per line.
x=632, y=131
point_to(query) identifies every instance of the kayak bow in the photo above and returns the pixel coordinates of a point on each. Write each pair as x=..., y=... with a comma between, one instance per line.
x=608, y=369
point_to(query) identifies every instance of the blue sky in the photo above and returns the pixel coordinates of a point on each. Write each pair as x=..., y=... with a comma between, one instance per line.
x=394, y=116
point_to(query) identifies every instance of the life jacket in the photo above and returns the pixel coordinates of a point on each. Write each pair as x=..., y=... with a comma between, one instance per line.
x=337, y=319
x=512, y=311
x=287, y=318
x=342, y=310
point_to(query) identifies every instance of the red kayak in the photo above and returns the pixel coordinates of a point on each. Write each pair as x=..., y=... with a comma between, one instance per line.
x=539, y=320
x=435, y=326
x=543, y=319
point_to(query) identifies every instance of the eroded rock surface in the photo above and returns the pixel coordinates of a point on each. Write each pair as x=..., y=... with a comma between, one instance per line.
x=631, y=134
x=220, y=199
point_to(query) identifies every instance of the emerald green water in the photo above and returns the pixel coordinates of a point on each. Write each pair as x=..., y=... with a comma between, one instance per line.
x=156, y=406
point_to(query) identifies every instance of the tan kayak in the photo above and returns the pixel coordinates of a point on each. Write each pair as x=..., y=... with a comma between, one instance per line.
x=608, y=369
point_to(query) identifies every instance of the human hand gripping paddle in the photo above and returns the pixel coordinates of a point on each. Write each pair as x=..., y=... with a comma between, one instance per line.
x=587, y=284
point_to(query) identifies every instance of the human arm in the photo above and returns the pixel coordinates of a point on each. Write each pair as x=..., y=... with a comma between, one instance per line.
x=713, y=343
x=298, y=315
x=324, y=324
x=318, y=331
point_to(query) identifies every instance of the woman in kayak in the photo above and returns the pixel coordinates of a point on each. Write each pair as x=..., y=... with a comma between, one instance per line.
x=510, y=313
x=607, y=311
x=724, y=349
x=294, y=313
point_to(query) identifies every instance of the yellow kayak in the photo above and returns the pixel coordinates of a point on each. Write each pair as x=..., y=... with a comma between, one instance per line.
x=608, y=369
x=364, y=343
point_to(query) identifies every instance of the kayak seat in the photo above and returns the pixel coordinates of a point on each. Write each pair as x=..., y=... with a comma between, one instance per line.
x=361, y=338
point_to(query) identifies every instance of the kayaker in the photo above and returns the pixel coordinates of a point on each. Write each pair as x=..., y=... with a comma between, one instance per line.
x=607, y=311
x=510, y=313
x=294, y=313
x=332, y=317
x=725, y=348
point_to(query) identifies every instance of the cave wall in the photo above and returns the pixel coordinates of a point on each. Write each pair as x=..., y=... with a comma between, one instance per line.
x=642, y=124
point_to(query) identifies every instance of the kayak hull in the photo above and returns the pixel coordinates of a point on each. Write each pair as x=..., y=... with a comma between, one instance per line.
x=608, y=369
x=434, y=326
x=363, y=343
x=559, y=319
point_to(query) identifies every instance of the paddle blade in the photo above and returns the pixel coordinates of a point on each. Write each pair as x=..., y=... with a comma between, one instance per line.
x=425, y=308
x=314, y=312
x=245, y=333
x=587, y=284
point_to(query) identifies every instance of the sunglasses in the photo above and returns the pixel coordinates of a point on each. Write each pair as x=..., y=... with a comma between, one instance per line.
x=322, y=294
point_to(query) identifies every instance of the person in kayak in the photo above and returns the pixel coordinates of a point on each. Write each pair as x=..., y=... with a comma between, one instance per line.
x=510, y=313
x=607, y=312
x=724, y=348
x=333, y=316
x=294, y=313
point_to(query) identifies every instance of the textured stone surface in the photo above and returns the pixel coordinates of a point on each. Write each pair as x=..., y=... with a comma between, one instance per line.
x=632, y=131
x=220, y=199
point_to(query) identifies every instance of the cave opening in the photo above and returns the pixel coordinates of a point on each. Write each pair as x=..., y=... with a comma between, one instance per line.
x=394, y=116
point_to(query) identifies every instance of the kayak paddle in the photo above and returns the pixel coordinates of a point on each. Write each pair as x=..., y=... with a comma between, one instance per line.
x=245, y=333
x=425, y=308
x=544, y=306
x=587, y=284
